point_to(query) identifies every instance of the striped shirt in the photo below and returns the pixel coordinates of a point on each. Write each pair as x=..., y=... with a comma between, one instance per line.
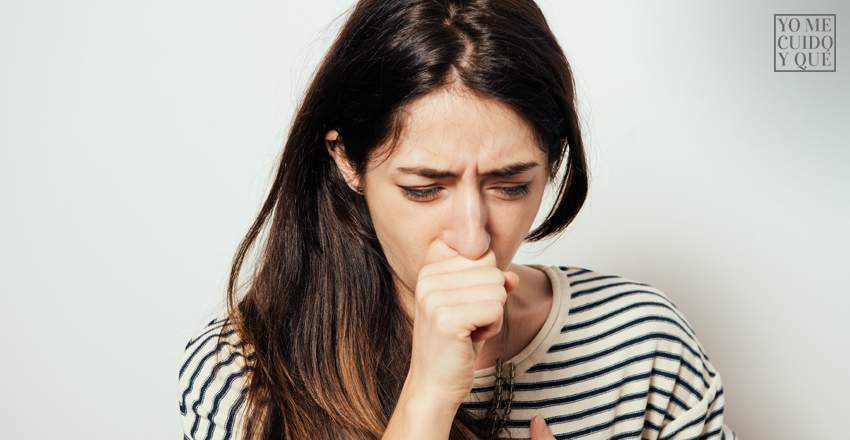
x=615, y=359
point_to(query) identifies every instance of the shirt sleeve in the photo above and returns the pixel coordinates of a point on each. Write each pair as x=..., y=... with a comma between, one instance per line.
x=212, y=384
x=702, y=420
x=696, y=400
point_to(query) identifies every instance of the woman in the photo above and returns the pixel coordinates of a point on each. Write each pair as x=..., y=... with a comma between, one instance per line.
x=384, y=302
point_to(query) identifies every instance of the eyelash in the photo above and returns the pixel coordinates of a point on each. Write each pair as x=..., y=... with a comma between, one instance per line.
x=517, y=192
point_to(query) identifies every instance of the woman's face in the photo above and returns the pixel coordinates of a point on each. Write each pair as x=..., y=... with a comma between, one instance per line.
x=437, y=183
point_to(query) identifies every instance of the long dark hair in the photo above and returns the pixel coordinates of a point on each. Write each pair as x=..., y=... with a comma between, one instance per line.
x=320, y=312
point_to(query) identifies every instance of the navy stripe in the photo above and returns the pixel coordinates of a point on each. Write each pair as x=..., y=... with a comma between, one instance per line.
x=590, y=322
x=582, y=414
x=627, y=435
x=200, y=368
x=598, y=289
x=653, y=426
x=650, y=407
x=207, y=331
x=618, y=295
x=601, y=426
x=631, y=323
x=623, y=282
x=231, y=418
x=216, y=320
x=716, y=413
x=624, y=344
x=543, y=403
x=219, y=397
x=709, y=434
x=580, y=271
x=701, y=421
x=207, y=384
x=198, y=348
x=574, y=378
x=575, y=434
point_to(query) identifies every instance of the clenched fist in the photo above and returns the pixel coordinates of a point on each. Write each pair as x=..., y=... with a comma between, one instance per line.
x=459, y=304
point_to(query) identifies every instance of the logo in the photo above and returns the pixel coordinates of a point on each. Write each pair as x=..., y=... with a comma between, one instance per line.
x=804, y=43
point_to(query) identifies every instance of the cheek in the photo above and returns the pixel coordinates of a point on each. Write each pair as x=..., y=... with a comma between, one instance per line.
x=516, y=217
x=403, y=231
x=509, y=229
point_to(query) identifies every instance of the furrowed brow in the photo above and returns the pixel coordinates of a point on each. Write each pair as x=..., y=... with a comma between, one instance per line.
x=506, y=171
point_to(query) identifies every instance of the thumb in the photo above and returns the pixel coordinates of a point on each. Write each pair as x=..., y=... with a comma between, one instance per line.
x=539, y=429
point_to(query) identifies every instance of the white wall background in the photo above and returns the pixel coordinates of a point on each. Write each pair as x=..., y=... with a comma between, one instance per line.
x=138, y=138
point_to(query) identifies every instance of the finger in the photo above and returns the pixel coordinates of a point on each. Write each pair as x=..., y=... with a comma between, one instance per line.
x=482, y=318
x=441, y=258
x=438, y=250
x=540, y=430
x=488, y=331
x=511, y=280
x=458, y=262
x=476, y=276
x=469, y=294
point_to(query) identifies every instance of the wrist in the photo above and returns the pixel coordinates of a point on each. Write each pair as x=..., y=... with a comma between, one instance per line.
x=428, y=408
x=418, y=416
x=421, y=397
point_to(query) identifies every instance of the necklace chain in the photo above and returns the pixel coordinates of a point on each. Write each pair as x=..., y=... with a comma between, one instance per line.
x=503, y=394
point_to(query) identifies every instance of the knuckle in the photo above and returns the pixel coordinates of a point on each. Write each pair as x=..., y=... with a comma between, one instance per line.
x=423, y=285
x=495, y=276
x=442, y=319
x=428, y=303
x=424, y=271
x=499, y=293
x=503, y=296
x=494, y=308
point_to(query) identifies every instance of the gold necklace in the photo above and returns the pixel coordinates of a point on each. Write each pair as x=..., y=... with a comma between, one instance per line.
x=503, y=394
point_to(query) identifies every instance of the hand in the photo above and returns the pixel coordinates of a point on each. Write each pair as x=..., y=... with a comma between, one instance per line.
x=459, y=304
x=540, y=430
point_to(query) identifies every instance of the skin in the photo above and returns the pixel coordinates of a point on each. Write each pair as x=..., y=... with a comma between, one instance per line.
x=468, y=135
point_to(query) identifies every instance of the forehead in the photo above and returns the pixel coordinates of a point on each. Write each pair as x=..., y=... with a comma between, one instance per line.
x=454, y=130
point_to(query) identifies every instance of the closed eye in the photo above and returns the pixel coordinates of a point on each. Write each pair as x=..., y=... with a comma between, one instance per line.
x=427, y=194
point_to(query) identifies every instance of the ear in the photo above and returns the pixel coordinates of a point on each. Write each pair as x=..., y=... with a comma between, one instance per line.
x=336, y=149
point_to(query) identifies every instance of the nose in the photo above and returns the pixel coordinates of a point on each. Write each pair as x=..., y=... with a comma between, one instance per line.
x=467, y=232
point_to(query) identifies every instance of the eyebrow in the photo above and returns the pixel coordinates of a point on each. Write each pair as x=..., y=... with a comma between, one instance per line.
x=506, y=171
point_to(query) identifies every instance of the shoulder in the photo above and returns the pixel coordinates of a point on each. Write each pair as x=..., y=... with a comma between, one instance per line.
x=639, y=328
x=628, y=307
x=212, y=381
